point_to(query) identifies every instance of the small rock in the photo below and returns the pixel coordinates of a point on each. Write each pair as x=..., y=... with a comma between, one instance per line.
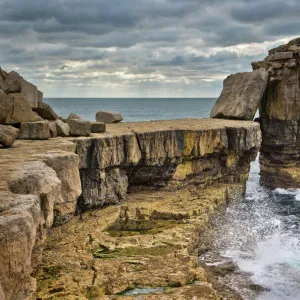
x=98, y=127
x=45, y=111
x=224, y=268
x=53, y=130
x=80, y=127
x=108, y=117
x=34, y=130
x=63, y=129
x=73, y=116
x=8, y=135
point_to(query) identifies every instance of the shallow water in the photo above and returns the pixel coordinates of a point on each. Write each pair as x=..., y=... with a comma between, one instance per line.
x=261, y=234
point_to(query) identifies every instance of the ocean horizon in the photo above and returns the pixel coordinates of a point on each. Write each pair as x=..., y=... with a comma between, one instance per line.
x=134, y=109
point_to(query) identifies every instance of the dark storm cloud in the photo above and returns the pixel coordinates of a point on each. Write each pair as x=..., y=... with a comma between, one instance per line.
x=124, y=46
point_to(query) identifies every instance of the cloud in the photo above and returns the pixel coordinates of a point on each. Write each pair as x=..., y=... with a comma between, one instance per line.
x=139, y=47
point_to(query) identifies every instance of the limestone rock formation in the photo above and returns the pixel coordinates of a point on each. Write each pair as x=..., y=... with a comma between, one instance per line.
x=34, y=130
x=98, y=127
x=241, y=95
x=63, y=129
x=108, y=117
x=280, y=115
x=45, y=111
x=8, y=135
x=79, y=127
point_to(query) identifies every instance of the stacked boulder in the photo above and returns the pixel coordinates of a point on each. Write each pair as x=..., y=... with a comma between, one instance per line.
x=274, y=88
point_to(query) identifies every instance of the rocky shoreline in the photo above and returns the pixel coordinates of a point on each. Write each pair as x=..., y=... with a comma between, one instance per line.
x=205, y=161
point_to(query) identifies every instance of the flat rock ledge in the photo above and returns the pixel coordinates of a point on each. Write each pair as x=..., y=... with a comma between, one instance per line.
x=206, y=161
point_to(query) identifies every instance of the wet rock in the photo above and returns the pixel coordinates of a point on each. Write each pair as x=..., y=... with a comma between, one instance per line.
x=34, y=130
x=45, y=111
x=224, y=268
x=8, y=135
x=108, y=117
x=79, y=127
x=63, y=129
x=241, y=95
x=98, y=127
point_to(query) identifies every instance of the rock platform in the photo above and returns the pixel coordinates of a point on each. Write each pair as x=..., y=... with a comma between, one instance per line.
x=164, y=179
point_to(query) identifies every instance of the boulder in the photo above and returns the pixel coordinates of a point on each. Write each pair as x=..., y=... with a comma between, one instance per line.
x=98, y=127
x=53, y=129
x=80, y=127
x=108, y=117
x=34, y=130
x=28, y=89
x=8, y=135
x=45, y=111
x=6, y=108
x=241, y=95
x=73, y=116
x=259, y=64
x=21, y=110
x=63, y=129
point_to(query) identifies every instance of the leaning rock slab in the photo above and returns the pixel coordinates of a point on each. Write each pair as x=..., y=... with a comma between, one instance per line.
x=98, y=127
x=108, y=117
x=45, y=111
x=80, y=127
x=63, y=129
x=241, y=95
x=53, y=130
x=35, y=130
x=8, y=135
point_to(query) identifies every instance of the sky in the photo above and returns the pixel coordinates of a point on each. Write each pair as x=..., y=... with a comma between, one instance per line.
x=140, y=48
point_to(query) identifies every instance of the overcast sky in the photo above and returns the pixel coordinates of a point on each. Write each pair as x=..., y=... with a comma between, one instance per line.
x=139, y=48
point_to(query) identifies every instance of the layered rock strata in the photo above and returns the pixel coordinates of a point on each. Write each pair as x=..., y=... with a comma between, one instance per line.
x=280, y=117
x=39, y=185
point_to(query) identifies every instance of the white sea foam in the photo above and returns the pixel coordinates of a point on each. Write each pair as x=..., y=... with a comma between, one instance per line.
x=261, y=235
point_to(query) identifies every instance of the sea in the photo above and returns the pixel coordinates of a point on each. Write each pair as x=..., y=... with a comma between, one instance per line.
x=260, y=233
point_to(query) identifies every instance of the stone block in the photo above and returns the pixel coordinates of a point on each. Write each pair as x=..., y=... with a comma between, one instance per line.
x=98, y=127
x=63, y=129
x=34, y=130
x=280, y=56
x=45, y=111
x=73, y=116
x=108, y=117
x=53, y=129
x=80, y=127
x=8, y=135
